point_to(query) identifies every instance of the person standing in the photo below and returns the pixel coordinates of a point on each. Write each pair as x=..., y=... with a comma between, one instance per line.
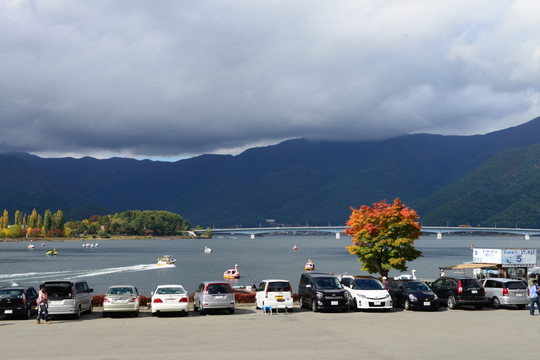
x=533, y=296
x=43, y=305
x=386, y=283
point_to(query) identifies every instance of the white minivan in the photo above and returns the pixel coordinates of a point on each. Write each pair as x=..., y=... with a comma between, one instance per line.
x=276, y=294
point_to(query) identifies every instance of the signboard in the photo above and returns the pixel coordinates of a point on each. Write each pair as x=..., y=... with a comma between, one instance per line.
x=489, y=256
x=518, y=257
x=505, y=257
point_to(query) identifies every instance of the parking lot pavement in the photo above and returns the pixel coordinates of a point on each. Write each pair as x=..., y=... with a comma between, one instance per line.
x=463, y=333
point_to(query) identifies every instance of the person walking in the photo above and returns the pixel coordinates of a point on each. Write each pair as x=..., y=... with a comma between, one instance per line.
x=533, y=296
x=43, y=305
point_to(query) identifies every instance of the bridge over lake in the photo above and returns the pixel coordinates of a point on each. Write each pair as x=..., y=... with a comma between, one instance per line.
x=338, y=230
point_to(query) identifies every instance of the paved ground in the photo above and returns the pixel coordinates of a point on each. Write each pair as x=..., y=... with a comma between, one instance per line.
x=445, y=334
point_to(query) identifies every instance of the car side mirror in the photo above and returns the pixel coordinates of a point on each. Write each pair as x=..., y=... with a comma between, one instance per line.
x=91, y=290
x=152, y=293
x=308, y=286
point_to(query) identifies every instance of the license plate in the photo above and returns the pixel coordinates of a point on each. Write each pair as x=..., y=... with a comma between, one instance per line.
x=55, y=302
x=8, y=311
x=279, y=297
x=519, y=294
x=219, y=297
x=427, y=303
x=170, y=301
x=335, y=303
x=377, y=303
x=474, y=291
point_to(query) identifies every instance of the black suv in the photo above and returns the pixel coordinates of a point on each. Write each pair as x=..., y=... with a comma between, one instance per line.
x=321, y=292
x=457, y=291
x=413, y=295
x=18, y=300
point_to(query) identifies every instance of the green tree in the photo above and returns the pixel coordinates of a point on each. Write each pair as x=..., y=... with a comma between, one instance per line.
x=5, y=220
x=18, y=218
x=383, y=236
x=33, y=220
x=47, y=221
x=59, y=220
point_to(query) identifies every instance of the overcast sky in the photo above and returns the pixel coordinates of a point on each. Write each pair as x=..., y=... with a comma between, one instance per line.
x=171, y=79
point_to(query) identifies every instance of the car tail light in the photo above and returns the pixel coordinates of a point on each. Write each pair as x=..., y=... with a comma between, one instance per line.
x=24, y=299
x=266, y=292
x=106, y=300
x=505, y=292
x=460, y=288
x=133, y=299
x=157, y=300
x=183, y=300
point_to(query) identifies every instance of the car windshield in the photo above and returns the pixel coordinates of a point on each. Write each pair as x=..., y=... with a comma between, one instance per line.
x=58, y=290
x=171, y=291
x=218, y=289
x=325, y=283
x=10, y=293
x=416, y=286
x=516, y=285
x=121, y=291
x=278, y=286
x=368, y=284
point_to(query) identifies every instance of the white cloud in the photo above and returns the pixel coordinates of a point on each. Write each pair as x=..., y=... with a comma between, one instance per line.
x=172, y=79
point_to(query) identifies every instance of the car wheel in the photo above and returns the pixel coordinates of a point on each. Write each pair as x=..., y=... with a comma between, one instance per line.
x=195, y=308
x=521, y=306
x=231, y=311
x=301, y=302
x=451, y=302
x=91, y=308
x=496, y=303
x=77, y=314
x=28, y=313
x=105, y=314
x=355, y=305
x=407, y=304
x=314, y=307
x=201, y=310
x=136, y=313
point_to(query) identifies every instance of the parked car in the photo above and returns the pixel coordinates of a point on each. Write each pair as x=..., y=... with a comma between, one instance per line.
x=274, y=293
x=169, y=298
x=320, y=291
x=120, y=299
x=366, y=292
x=413, y=295
x=457, y=291
x=212, y=295
x=505, y=292
x=69, y=297
x=18, y=301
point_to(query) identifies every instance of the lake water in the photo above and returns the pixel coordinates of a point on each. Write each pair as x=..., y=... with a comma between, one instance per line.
x=135, y=261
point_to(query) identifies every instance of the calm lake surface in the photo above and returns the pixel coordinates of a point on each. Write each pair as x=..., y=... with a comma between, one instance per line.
x=134, y=261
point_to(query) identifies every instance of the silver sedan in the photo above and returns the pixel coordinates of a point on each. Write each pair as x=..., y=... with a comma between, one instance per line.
x=121, y=298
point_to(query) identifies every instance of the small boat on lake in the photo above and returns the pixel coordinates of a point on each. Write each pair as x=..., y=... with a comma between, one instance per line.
x=294, y=247
x=232, y=273
x=30, y=246
x=310, y=266
x=52, y=252
x=207, y=250
x=166, y=260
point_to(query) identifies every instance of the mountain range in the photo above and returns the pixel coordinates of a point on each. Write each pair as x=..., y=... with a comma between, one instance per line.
x=487, y=180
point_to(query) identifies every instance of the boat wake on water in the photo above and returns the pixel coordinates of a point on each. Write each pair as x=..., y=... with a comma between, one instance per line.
x=48, y=275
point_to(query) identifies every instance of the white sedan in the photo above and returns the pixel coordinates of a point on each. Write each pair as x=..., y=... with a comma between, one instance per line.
x=169, y=298
x=366, y=292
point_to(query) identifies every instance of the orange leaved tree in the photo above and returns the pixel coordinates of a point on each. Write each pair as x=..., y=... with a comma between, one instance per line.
x=383, y=236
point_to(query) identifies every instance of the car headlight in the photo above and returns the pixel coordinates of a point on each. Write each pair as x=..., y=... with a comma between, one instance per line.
x=320, y=295
x=387, y=296
x=362, y=296
x=412, y=297
x=435, y=297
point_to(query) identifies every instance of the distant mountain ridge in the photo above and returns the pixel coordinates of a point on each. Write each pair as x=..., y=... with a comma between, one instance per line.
x=297, y=181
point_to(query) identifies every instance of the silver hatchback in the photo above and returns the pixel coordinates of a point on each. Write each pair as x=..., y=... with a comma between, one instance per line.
x=505, y=292
x=213, y=295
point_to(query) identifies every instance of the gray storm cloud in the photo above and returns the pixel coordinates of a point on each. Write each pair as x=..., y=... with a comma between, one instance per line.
x=175, y=78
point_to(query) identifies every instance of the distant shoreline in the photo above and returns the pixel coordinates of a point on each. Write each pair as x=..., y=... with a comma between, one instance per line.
x=125, y=237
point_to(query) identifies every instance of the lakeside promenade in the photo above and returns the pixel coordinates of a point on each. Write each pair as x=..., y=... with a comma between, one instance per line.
x=445, y=334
